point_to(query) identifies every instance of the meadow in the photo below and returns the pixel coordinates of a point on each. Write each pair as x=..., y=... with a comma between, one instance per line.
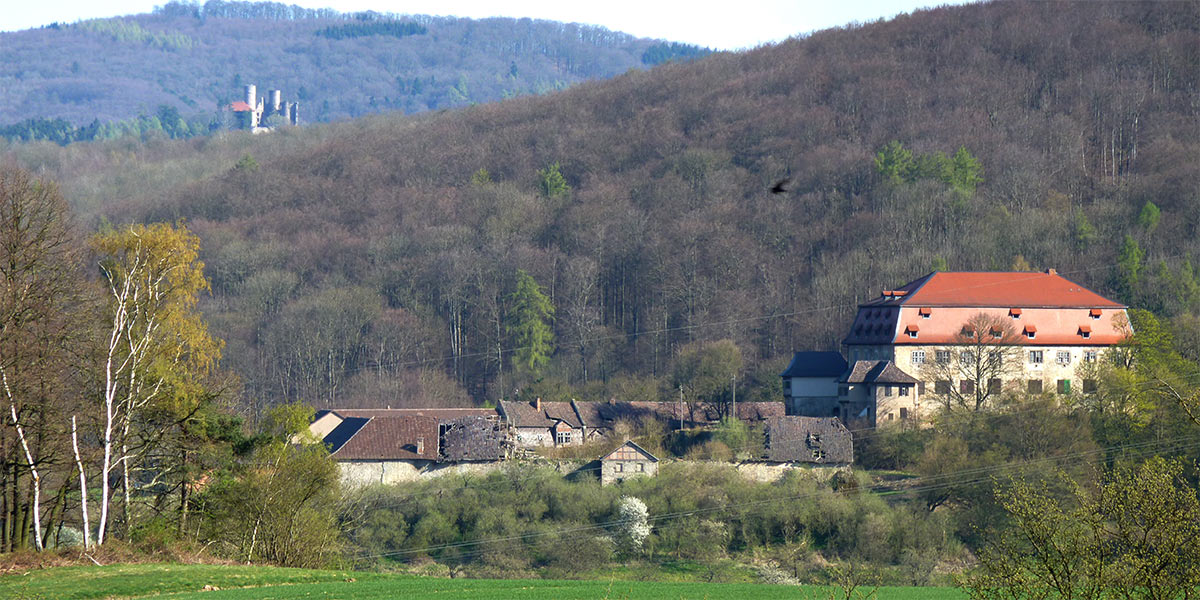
x=263, y=583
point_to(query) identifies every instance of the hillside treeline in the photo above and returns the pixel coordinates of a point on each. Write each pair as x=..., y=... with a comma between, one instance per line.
x=196, y=58
x=376, y=262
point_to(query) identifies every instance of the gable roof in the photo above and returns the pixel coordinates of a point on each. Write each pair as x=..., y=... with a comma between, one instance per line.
x=241, y=106
x=527, y=414
x=809, y=439
x=994, y=289
x=390, y=438
x=816, y=364
x=626, y=446
x=878, y=371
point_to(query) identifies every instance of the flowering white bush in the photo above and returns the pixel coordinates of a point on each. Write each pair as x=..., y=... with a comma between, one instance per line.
x=632, y=528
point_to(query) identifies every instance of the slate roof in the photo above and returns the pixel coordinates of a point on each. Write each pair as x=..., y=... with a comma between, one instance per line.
x=878, y=371
x=606, y=414
x=822, y=440
x=816, y=364
x=390, y=438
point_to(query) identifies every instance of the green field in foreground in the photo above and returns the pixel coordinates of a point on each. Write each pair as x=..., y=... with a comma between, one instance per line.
x=188, y=581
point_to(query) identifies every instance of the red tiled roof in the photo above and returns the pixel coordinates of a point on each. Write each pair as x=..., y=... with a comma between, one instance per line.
x=240, y=106
x=994, y=289
x=1085, y=328
x=393, y=438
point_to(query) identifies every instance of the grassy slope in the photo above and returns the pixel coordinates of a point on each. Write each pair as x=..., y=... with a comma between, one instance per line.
x=188, y=581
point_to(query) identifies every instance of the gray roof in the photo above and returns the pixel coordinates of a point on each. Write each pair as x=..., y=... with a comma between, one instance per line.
x=822, y=440
x=816, y=364
x=878, y=371
x=528, y=414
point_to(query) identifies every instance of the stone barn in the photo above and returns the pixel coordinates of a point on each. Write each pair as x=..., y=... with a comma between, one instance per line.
x=628, y=460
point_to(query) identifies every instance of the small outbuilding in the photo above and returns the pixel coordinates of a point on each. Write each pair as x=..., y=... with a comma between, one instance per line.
x=627, y=460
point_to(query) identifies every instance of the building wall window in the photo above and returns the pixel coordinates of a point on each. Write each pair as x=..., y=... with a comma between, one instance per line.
x=994, y=385
x=619, y=467
x=887, y=390
x=943, y=356
x=920, y=387
x=1089, y=386
x=941, y=387
x=918, y=357
x=903, y=413
x=1090, y=356
x=967, y=356
x=1063, y=357
x=1035, y=386
x=562, y=438
x=1064, y=386
x=903, y=390
x=966, y=386
x=1035, y=357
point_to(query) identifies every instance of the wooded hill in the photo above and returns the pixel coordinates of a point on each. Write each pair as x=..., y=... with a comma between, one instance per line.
x=194, y=59
x=376, y=261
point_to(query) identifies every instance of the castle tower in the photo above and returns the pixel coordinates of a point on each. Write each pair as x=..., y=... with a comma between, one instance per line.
x=276, y=97
x=251, y=96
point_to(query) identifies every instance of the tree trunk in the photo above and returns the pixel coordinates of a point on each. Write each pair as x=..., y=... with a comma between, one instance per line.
x=83, y=491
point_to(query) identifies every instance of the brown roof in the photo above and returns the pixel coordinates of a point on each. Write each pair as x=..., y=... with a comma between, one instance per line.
x=809, y=439
x=392, y=438
x=439, y=413
x=622, y=453
x=760, y=411
x=527, y=414
x=877, y=371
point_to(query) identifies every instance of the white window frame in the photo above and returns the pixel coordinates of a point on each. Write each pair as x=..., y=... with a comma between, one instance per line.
x=918, y=357
x=1036, y=357
x=1062, y=357
x=562, y=438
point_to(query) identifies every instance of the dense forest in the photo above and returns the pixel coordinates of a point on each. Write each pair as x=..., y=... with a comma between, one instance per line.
x=377, y=262
x=105, y=78
x=681, y=230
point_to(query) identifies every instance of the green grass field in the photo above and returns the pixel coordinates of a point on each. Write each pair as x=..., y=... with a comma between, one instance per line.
x=268, y=583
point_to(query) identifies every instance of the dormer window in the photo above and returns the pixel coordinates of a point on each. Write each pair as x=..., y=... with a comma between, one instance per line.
x=1030, y=331
x=1085, y=331
x=1094, y=313
x=1014, y=313
x=925, y=312
x=968, y=331
x=911, y=330
x=996, y=333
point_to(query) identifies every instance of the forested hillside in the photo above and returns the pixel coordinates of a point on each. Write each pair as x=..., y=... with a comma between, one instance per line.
x=180, y=66
x=384, y=261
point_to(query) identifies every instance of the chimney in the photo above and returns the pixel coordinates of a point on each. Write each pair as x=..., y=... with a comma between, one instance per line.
x=420, y=445
x=1051, y=272
x=537, y=404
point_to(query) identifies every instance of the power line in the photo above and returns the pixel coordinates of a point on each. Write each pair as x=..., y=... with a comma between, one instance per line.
x=932, y=482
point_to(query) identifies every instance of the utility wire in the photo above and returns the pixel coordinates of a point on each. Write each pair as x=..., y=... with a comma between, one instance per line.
x=931, y=482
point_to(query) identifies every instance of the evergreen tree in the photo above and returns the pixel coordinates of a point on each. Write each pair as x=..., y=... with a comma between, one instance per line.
x=529, y=317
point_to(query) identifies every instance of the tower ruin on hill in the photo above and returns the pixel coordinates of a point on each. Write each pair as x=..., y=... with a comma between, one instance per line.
x=255, y=114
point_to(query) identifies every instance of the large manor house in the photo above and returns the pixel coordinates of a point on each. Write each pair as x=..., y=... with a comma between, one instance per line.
x=911, y=349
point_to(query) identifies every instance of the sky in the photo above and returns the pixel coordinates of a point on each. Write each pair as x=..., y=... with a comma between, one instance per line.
x=724, y=26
